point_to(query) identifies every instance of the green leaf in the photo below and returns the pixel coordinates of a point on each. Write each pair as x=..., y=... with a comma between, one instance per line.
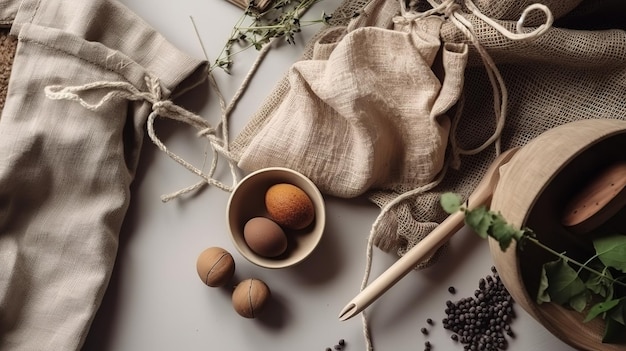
x=450, y=202
x=542, y=294
x=565, y=286
x=579, y=302
x=479, y=220
x=503, y=232
x=601, y=308
x=601, y=285
x=611, y=250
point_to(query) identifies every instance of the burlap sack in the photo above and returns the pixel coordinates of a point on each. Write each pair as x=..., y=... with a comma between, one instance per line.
x=573, y=71
x=65, y=170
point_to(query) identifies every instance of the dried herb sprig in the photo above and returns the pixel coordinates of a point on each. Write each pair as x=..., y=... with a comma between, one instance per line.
x=257, y=28
x=598, y=282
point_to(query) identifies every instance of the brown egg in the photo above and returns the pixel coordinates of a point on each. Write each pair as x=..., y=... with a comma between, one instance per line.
x=265, y=237
x=215, y=266
x=250, y=297
x=289, y=206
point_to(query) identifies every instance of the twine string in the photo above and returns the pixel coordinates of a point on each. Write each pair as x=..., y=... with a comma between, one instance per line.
x=218, y=140
x=160, y=108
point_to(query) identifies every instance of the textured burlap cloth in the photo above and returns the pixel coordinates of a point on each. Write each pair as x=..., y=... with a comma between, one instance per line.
x=7, y=51
x=575, y=70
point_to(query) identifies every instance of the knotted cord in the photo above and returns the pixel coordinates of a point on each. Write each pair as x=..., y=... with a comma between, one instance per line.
x=218, y=142
x=160, y=108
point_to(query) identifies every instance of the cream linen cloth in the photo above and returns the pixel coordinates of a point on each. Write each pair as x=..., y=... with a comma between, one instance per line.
x=367, y=111
x=65, y=171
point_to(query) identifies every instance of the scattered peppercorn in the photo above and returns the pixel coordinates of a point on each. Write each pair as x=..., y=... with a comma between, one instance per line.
x=427, y=346
x=481, y=322
x=339, y=346
x=429, y=321
x=424, y=331
x=451, y=290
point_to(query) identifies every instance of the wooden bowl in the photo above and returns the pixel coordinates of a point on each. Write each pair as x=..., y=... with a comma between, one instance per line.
x=532, y=192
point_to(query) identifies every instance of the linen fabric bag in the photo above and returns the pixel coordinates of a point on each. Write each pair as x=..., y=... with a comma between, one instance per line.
x=575, y=70
x=65, y=170
x=371, y=114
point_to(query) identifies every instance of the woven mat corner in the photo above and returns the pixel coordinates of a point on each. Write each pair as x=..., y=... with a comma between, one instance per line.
x=7, y=52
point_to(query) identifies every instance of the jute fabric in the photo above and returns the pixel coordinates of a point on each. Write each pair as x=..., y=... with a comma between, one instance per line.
x=7, y=51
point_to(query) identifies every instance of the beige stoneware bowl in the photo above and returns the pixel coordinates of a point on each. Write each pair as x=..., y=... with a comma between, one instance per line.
x=248, y=200
x=532, y=192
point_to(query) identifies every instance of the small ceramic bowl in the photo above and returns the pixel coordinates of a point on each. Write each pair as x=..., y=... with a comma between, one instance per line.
x=532, y=192
x=248, y=201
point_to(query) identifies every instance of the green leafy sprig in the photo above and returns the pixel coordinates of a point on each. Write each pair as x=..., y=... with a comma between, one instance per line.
x=596, y=285
x=257, y=28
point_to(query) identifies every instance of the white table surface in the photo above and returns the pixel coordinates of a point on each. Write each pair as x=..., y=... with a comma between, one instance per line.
x=156, y=301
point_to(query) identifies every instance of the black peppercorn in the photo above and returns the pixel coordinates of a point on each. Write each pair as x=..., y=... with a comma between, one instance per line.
x=481, y=321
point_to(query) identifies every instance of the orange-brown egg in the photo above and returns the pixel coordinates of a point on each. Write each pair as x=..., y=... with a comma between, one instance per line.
x=265, y=237
x=289, y=206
